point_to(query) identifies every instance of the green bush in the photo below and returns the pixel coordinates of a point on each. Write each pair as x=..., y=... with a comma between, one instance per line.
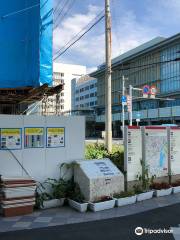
x=97, y=151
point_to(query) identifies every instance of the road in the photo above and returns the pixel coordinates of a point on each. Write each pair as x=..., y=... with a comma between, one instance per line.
x=112, y=229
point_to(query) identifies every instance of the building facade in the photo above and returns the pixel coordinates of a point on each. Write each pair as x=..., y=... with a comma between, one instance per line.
x=155, y=63
x=84, y=101
x=85, y=93
x=60, y=104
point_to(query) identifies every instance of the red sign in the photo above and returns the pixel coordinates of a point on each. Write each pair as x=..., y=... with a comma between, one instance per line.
x=153, y=90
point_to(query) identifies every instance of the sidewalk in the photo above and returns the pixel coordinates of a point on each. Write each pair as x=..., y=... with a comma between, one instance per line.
x=66, y=215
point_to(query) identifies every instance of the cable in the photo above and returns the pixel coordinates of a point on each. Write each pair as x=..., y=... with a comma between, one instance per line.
x=61, y=11
x=58, y=7
x=20, y=11
x=77, y=35
x=83, y=29
x=79, y=38
x=67, y=11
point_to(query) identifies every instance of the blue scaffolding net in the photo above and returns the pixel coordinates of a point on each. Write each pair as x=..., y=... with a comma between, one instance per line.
x=26, y=43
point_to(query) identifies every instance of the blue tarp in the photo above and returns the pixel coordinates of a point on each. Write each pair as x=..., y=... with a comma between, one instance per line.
x=26, y=43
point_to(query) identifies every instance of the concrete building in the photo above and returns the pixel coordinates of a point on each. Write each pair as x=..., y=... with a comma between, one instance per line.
x=60, y=104
x=155, y=63
x=84, y=94
x=84, y=101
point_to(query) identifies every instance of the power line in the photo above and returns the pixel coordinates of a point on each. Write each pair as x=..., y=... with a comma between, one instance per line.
x=58, y=7
x=65, y=13
x=20, y=11
x=61, y=11
x=83, y=29
x=79, y=37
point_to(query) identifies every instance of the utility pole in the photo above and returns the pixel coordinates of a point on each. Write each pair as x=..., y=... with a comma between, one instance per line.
x=108, y=112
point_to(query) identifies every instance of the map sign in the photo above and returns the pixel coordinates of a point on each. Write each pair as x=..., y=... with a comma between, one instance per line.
x=34, y=137
x=11, y=138
x=55, y=137
x=156, y=150
x=133, y=152
x=175, y=150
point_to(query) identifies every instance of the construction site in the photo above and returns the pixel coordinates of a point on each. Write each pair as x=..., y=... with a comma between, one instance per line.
x=26, y=76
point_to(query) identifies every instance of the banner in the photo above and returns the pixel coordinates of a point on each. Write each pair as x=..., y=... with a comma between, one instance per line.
x=34, y=137
x=11, y=138
x=55, y=137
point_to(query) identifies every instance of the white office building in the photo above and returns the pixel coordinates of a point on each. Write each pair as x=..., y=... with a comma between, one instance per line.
x=64, y=73
x=61, y=103
x=84, y=95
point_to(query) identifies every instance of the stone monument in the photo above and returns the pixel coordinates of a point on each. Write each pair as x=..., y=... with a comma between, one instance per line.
x=98, y=178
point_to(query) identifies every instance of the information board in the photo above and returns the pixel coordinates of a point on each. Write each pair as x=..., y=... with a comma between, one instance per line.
x=175, y=150
x=133, y=152
x=11, y=138
x=33, y=137
x=55, y=137
x=156, y=150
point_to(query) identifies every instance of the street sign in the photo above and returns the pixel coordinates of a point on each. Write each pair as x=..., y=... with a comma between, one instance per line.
x=123, y=99
x=153, y=90
x=146, y=89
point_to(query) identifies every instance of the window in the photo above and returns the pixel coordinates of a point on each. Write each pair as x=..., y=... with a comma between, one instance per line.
x=62, y=100
x=77, y=99
x=77, y=91
x=87, y=96
x=86, y=104
x=62, y=107
x=62, y=74
x=82, y=90
x=91, y=86
x=87, y=88
x=62, y=94
x=82, y=97
x=92, y=95
x=91, y=103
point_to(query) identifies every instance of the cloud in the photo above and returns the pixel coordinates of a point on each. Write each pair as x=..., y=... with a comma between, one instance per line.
x=128, y=32
x=73, y=25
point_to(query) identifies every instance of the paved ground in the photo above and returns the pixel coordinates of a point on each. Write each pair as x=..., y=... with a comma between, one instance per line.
x=111, y=229
x=66, y=215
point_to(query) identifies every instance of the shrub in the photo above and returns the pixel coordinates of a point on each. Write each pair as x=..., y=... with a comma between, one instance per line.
x=97, y=151
x=74, y=191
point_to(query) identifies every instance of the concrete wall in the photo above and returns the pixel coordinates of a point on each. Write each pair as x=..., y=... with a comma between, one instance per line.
x=42, y=163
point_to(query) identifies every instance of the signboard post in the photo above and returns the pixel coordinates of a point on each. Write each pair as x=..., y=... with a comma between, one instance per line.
x=133, y=153
x=174, y=140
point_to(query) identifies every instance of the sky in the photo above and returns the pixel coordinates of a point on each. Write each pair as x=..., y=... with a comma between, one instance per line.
x=133, y=22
